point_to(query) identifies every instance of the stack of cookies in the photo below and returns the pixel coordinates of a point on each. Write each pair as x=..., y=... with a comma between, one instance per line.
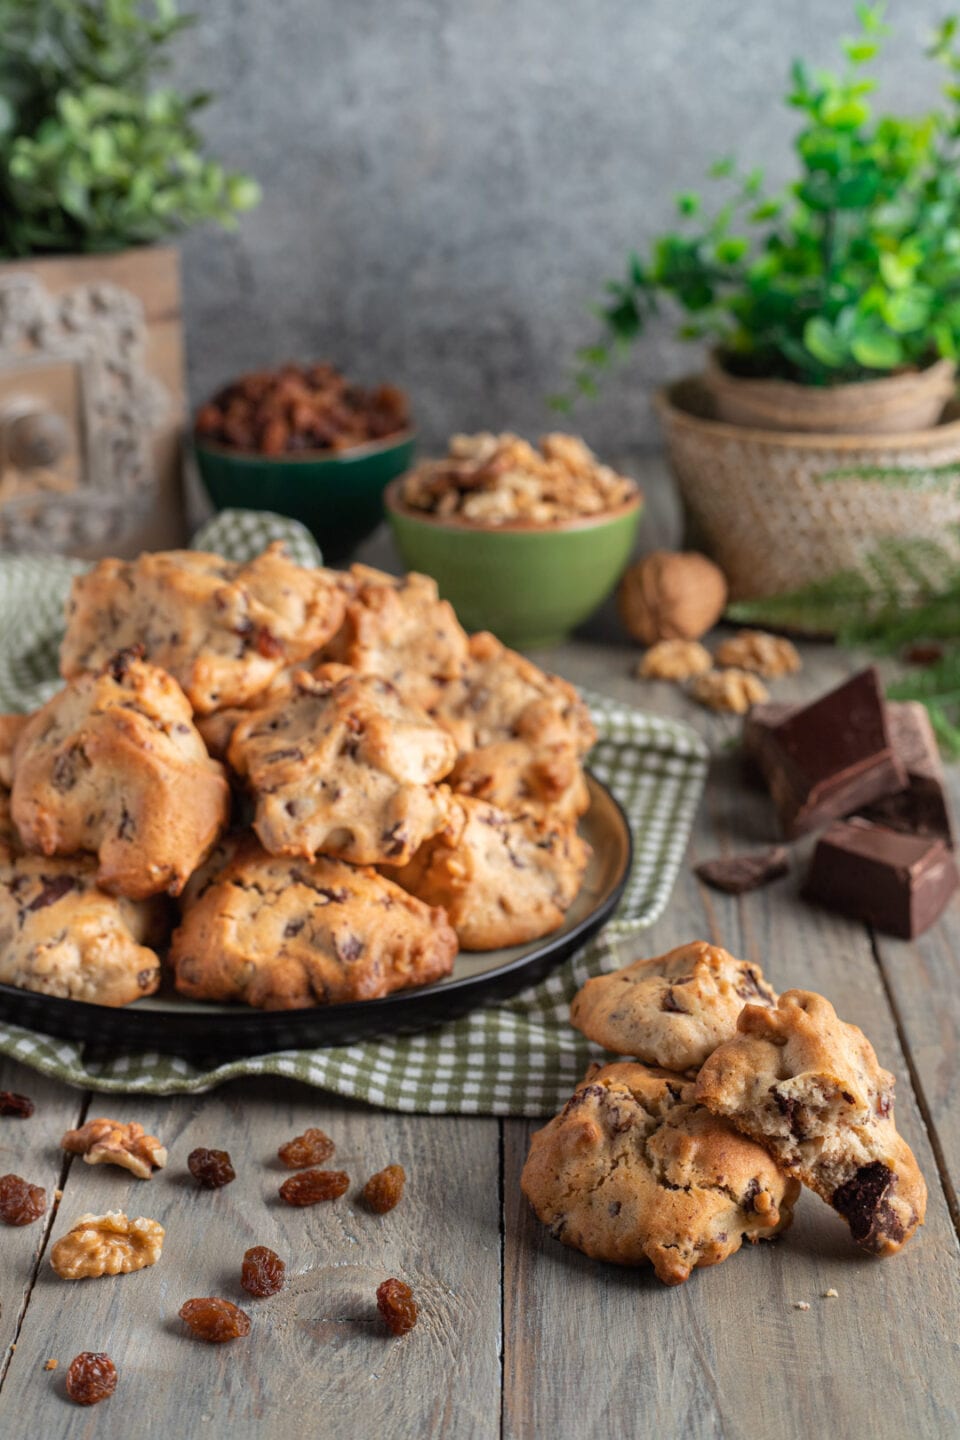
x=339, y=786
x=735, y=1098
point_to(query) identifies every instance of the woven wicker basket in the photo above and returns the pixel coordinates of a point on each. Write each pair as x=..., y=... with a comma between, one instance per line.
x=780, y=510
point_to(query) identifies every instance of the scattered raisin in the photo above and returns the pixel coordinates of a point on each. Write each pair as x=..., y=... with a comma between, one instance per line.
x=211, y=1168
x=92, y=1377
x=310, y=1148
x=262, y=1272
x=312, y=1185
x=215, y=1320
x=20, y=1202
x=397, y=1306
x=19, y=1105
x=385, y=1189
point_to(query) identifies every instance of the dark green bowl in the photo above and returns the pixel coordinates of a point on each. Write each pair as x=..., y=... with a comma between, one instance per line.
x=530, y=585
x=338, y=497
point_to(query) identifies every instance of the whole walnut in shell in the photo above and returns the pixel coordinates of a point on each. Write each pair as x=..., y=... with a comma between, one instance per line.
x=671, y=596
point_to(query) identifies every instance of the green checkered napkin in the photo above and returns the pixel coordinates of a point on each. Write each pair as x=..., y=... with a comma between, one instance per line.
x=518, y=1058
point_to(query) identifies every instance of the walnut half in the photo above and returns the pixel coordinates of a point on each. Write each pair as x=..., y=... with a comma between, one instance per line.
x=734, y=690
x=108, y=1244
x=768, y=655
x=675, y=660
x=111, y=1142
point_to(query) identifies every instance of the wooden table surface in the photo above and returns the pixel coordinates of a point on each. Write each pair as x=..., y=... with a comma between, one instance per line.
x=518, y=1337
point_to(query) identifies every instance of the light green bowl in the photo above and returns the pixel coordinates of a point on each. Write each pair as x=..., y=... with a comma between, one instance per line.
x=530, y=585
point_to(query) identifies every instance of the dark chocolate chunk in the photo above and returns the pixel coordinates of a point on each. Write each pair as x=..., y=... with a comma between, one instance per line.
x=831, y=757
x=736, y=874
x=861, y=1202
x=896, y=882
x=922, y=808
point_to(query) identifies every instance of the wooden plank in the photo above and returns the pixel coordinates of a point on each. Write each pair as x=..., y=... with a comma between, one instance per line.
x=31, y=1149
x=592, y=1351
x=318, y=1354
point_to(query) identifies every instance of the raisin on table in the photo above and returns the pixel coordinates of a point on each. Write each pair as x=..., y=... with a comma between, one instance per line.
x=385, y=1189
x=211, y=1168
x=20, y=1202
x=397, y=1306
x=262, y=1272
x=13, y=1104
x=92, y=1377
x=310, y=1148
x=311, y=1186
x=215, y=1320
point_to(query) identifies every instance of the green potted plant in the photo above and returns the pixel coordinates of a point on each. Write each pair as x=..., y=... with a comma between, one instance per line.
x=99, y=166
x=818, y=431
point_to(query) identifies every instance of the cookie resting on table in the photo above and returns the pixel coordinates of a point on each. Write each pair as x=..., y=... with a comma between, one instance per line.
x=505, y=697
x=673, y=1010
x=113, y=765
x=60, y=934
x=632, y=1170
x=502, y=879
x=283, y=934
x=341, y=766
x=223, y=629
x=399, y=628
x=808, y=1087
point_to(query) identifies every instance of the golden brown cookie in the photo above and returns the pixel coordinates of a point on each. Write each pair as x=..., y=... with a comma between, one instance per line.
x=113, y=765
x=60, y=934
x=545, y=781
x=399, y=628
x=806, y=1085
x=673, y=1010
x=283, y=934
x=505, y=697
x=10, y=728
x=502, y=879
x=341, y=766
x=224, y=630
x=632, y=1170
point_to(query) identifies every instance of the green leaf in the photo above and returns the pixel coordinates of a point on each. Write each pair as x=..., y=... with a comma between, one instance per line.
x=688, y=203
x=876, y=349
x=821, y=340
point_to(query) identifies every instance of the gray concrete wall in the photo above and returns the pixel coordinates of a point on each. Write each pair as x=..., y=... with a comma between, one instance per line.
x=448, y=182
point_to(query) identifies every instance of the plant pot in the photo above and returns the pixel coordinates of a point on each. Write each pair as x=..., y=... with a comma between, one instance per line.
x=780, y=510
x=92, y=403
x=913, y=400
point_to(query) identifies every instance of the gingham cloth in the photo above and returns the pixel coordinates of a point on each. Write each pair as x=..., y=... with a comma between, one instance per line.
x=519, y=1058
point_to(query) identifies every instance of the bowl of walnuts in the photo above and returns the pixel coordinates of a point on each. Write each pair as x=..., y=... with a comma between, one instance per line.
x=526, y=541
x=305, y=442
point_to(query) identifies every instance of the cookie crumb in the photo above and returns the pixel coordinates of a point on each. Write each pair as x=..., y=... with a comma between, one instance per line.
x=801, y=1305
x=831, y=1295
x=58, y=1194
x=51, y=1365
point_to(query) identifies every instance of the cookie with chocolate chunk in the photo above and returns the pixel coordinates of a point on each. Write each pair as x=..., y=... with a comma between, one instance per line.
x=283, y=934
x=673, y=1010
x=224, y=629
x=113, y=766
x=61, y=934
x=545, y=781
x=502, y=879
x=342, y=766
x=808, y=1087
x=634, y=1171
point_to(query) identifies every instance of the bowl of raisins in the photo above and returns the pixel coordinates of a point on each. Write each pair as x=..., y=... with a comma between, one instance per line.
x=305, y=442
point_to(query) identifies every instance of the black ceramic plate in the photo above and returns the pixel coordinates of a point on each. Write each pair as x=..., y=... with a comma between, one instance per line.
x=168, y=1023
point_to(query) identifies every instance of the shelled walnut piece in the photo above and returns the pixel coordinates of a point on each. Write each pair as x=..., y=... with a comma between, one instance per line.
x=671, y=596
x=112, y=1142
x=108, y=1244
x=733, y=690
x=766, y=655
x=675, y=660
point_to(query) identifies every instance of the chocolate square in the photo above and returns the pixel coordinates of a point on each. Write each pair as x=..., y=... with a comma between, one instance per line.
x=896, y=882
x=920, y=809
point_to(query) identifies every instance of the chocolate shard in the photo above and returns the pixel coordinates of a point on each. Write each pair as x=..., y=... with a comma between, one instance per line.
x=736, y=874
x=831, y=757
x=896, y=882
x=920, y=809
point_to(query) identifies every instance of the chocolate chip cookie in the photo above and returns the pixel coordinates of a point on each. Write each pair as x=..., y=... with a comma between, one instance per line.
x=342, y=766
x=502, y=879
x=224, y=630
x=545, y=781
x=673, y=1010
x=808, y=1087
x=113, y=765
x=60, y=934
x=399, y=628
x=283, y=934
x=633, y=1170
